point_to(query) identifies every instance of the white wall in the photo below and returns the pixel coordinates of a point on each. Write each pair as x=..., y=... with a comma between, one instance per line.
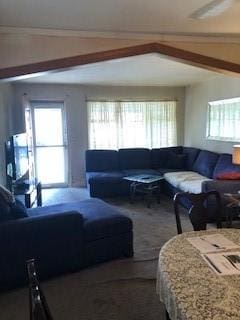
x=76, y=111
x=197, y=97
x=6, y=96
x=32, y=45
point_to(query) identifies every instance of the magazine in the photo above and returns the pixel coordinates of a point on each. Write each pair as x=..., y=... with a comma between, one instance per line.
x=212, y=243
x=223, y=263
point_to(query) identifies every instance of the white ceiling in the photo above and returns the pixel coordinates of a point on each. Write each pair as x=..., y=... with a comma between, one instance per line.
x=152, y=16
x=126, y=16
x=144, y=70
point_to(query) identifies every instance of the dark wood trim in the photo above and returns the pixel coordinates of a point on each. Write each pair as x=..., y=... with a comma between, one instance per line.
x=170, y=52
x=198, y=60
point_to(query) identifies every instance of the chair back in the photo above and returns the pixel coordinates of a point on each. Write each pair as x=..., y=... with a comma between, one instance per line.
x=39, y=309
x=198, y=212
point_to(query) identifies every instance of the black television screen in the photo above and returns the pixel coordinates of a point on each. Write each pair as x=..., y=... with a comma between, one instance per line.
x=17, y=156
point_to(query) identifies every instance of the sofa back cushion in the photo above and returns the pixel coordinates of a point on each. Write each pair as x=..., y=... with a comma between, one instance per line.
x=205, y=163
x=231, y=175
x=18, y=210
x=176, y=161
x=10, y=208
x=6, y=201
x=134, y=158
x=5, y=211
x=225, y=166
x=102, y=160
x=192, y=154
x=159, y=156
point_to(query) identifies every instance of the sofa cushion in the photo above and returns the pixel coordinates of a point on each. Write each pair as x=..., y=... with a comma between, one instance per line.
x=107, y=184
x=192, y=154
x=6, y=195
x=231, y=175
x=159, y=156
x=133, y=172
x=176, y=161
x=162, y=171
x=100, y=219
x=6, y=202
x=103, y=220
x=225, y=165
x=55, y=209
x=5, y=214
x=18, y=210
x=205, y=163
x=135, y=158
x=187, y=181
x=194, y=185
x=175, y=178
x=102, y=160
x=104, y=176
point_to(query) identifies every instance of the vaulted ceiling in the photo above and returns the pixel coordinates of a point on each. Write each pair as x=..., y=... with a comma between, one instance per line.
x=152, y=16
x=143, y=70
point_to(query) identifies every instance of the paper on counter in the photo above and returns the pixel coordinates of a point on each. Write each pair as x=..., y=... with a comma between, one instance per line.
x=224, y=263
x=212, y=243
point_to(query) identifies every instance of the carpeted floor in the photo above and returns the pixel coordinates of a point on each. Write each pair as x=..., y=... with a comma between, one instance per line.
x=117, y=290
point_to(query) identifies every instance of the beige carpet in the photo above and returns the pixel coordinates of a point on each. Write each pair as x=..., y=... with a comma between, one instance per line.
x=117, y=290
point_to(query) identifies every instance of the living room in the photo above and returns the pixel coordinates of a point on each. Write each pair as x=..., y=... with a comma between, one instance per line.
x=192, y=104
x=23, y=47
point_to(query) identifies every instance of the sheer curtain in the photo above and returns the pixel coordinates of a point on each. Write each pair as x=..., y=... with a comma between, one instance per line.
x=224, y=120
x=121, y=124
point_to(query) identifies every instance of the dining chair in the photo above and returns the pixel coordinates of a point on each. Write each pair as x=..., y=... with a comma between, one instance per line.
x=198, y=211
x=39, y=309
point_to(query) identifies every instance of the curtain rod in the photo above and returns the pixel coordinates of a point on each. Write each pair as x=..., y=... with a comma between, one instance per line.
x=156, y=100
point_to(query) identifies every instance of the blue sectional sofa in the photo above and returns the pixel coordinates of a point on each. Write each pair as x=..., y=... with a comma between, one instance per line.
x=62, y=238
x=184, y=169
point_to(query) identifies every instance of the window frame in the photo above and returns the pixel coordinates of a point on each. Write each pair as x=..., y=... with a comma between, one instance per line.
x=220, y=138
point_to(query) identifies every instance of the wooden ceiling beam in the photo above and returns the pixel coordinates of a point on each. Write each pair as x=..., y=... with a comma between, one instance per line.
x=167, y=51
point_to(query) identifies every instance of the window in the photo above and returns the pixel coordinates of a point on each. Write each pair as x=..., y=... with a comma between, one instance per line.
x=121, y=124
x=223, y=121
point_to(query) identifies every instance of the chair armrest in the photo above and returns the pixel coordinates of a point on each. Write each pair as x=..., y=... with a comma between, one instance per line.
x=222, y=186
x=55, y=241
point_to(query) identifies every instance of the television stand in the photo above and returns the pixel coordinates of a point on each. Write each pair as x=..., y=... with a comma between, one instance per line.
x=31, y=195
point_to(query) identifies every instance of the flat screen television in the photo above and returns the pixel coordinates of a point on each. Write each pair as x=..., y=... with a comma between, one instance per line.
x=17, y=164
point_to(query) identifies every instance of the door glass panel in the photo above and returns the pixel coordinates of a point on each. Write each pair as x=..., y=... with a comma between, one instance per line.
x=49, y=142
x=48, y=126
x=50, y=164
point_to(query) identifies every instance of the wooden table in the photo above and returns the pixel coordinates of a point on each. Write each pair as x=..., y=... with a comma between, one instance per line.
x=189, y=288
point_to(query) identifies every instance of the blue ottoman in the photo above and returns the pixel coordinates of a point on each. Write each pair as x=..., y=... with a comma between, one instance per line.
x=62, y=238
x=106, y=233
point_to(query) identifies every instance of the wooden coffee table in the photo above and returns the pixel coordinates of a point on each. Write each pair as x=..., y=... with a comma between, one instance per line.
x=146, y=184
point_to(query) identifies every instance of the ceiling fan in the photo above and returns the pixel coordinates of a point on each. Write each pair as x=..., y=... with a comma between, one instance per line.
x=212, y=9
